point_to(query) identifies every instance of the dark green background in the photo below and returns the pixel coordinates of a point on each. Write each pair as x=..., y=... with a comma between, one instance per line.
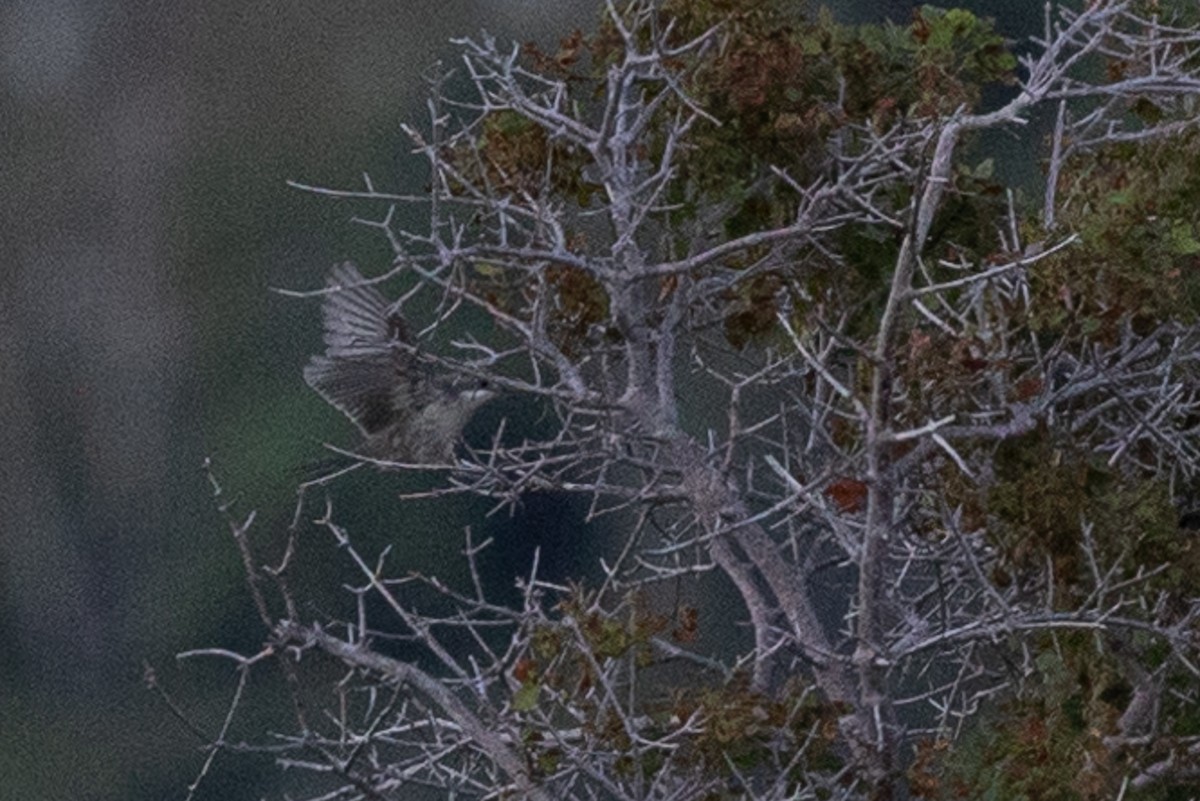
x=144, y=148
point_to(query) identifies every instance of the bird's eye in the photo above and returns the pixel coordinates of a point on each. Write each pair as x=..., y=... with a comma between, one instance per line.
x=484, y=383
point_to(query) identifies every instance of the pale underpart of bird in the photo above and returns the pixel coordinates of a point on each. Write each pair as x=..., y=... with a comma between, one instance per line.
x=407, y=412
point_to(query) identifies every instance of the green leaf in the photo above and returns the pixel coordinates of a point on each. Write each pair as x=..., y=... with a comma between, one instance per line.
x=526, y=698
x=1183, y=242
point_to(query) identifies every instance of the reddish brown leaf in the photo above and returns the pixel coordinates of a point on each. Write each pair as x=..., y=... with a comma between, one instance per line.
x=688, y=626
x=524, y=670
x=1028, y=387
x=849, y=494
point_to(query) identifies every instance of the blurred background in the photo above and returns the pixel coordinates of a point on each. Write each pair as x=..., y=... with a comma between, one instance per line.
x=144, y=152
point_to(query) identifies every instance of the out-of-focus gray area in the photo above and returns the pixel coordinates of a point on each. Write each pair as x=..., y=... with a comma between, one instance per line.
x=144, y=149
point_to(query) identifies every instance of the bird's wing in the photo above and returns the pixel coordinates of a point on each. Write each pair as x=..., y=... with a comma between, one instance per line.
x=364, y=367
x=358, y=322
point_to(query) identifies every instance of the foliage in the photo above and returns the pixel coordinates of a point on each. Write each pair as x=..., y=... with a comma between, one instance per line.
x=980, y=413
x=1136, y=207
x=780, y=87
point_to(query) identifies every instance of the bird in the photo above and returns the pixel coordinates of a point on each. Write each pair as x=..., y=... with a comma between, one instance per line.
x=407, y=411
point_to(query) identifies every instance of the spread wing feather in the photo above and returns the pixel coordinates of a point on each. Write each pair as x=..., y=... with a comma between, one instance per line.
x=357, y=320
x=363, y=373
